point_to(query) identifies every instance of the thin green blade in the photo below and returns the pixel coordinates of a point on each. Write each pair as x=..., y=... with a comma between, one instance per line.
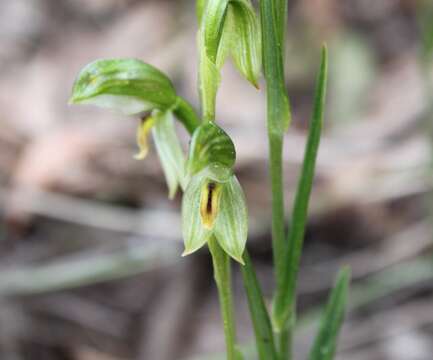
x=285, y=297
x=259, y=314
x=326, y=340
x=278, y=108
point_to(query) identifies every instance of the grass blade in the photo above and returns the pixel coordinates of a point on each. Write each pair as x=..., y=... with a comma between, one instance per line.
x=283, y=313
x=278, y=108
x=278, y=120
x=259, y=314
x=326, y=340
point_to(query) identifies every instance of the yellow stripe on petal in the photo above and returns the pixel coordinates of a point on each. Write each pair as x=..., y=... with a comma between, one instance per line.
x=209, y=203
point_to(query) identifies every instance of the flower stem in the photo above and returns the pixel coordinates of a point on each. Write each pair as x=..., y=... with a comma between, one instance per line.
x=278, y=118
x=276, y=174
x=186, y=115
x=285, y=339
x=222, y=274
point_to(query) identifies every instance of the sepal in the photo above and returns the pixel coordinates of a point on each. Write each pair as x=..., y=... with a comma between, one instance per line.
x=129, y=86
x=231, y=226
x=169, y=151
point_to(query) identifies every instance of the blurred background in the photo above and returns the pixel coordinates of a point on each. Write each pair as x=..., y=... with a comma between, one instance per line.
x=90, y=245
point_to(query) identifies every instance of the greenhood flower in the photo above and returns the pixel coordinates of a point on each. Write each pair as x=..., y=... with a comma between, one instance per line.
x=213, y=203
x=228, y=27
x=133, y=87
x=231, y=27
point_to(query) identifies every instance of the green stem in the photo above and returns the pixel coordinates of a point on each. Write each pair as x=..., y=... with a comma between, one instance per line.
x=276, y=174
x=222, y=274
x=273, y=19
x=186, y=115
x=278, y=117
x=281, y=16
x=285, y=339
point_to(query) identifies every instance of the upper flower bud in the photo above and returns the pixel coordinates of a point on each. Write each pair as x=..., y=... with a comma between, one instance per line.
x=228, y=27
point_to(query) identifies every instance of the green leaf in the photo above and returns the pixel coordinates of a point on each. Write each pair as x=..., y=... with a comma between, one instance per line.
x=259, y=314
x=231, y=225
x=245, y=43
x=285, y=297
x=170, y=152
x=278, y=109
x=326, y=340
x=126, y=85
x=210, y=144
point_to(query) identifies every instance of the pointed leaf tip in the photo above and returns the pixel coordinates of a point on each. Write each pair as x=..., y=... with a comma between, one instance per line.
x=188, y=252
x=325, y=343
x=240, y=260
